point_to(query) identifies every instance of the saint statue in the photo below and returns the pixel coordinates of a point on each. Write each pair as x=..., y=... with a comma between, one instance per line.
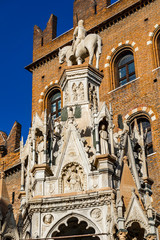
x=40, y=150
x=104, y=140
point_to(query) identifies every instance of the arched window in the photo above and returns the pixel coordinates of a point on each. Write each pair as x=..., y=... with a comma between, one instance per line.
x=55, y=102
x=158, y=48
x=156, y=45
x=125, y=68
x=142, y=122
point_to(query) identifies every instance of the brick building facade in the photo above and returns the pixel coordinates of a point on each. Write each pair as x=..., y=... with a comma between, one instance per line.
x=131, y=26
x=129, y=70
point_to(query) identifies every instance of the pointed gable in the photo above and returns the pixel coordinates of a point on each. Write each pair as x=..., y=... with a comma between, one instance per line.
x=135, y=212
x=127, y=183
x=72, y=150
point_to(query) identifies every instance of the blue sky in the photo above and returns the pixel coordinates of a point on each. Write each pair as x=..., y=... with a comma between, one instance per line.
x=17, y=19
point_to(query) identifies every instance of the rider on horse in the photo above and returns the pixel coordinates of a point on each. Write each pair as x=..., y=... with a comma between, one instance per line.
x=78, y=35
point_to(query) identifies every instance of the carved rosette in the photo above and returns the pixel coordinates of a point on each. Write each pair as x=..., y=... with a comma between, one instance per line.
x=48, y=219
x=96, y=214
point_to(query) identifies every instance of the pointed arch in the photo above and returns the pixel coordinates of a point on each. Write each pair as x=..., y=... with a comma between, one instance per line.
x=79, y=217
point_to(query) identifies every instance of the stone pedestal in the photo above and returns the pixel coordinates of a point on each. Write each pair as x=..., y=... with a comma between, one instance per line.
x=80, y=85
x=148, y=183
x=40, y=172
x=105, y=162
x=105, y=165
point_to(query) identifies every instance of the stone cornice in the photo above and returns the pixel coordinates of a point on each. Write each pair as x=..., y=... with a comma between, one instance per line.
x=71, y=202
x=42, y=167
x=97, y=29
x=83, y=70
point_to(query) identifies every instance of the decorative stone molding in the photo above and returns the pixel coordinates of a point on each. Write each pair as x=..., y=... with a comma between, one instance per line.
x=116, y=48
x=152, y=34
x=66, y=203
x=47, y=88
x=144, y=109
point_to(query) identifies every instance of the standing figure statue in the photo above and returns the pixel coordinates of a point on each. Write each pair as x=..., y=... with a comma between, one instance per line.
x=104, y=140
x=78, y=35
x=40, y=150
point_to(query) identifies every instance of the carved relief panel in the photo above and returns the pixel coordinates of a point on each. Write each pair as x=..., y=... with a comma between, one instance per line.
x=72, y=178
x=93, y=96
x=75, y=92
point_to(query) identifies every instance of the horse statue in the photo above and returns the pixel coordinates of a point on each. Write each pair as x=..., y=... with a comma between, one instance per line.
x=90, y=45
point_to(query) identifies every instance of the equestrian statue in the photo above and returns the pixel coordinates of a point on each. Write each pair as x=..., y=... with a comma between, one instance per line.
x=83, y=46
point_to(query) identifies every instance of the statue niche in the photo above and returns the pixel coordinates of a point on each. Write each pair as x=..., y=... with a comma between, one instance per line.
x=39, y=146
x=103, y=134
x=72, y=178
x=40, y=149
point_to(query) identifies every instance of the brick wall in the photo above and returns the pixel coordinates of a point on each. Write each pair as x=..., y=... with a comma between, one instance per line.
x=132, y=27
x=10, y=164
x=13, y=180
